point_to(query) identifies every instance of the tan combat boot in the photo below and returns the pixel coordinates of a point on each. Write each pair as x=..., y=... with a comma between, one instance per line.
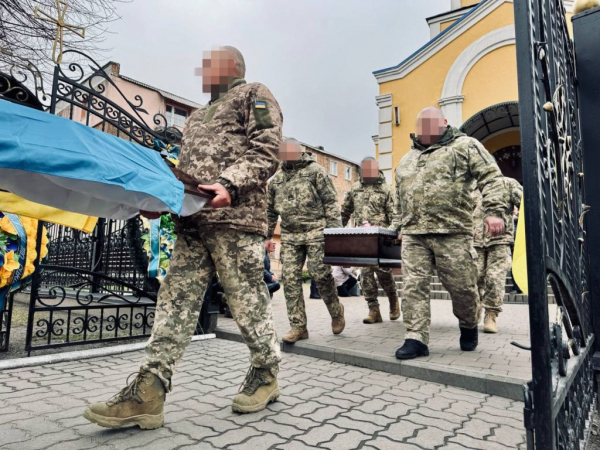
x=295, y=335
x=338, y=323
x=489, y=322
x=258, y=390
x=140, y=403
x=394, y=307
x=374, y=315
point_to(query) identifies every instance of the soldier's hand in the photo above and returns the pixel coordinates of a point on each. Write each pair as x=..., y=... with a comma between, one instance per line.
x=150, y=215
x=222, y=197
x=494, y=226
x=274, y=277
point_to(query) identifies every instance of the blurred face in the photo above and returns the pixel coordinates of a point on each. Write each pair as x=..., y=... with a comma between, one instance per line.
x=269, y=246
x=218, y=70
x=431, y=126
x=369, y=170
x=290, y=152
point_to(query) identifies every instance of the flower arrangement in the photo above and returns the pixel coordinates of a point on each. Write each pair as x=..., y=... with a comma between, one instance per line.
x=167, y=238
x=9, y=248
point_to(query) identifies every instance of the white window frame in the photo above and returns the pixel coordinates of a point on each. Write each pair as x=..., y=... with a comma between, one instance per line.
x=333, y=168
x=347, y=172
x=171, y=116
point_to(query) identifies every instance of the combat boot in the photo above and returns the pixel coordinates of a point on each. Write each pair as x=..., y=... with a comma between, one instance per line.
x=394, y=307
x=468, y=339
x=489, y=322
x=258, y=390
x=374, y=315
x=295, y=335
x=338, y=323
x=140, y=403
x=412, y=349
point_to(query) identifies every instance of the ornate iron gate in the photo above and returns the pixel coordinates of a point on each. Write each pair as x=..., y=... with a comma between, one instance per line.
x=560, y=399
x=93, y=287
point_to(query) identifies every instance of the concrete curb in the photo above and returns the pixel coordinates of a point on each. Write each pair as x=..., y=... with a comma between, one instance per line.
x=500, y=386
x=81, y=354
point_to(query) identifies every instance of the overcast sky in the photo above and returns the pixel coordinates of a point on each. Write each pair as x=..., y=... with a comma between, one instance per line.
x=316, y=56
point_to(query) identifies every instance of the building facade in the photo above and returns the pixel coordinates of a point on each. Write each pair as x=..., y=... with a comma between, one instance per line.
x=468, y=69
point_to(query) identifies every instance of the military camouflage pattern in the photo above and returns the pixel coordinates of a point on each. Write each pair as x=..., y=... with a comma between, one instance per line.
x=456, y=263
x=480, y=238
x=493, y=263
x=293, y=258
x=372, y=203
x=238, y=258
x=369, y=284
x=306, y=200
x=433, y=186
x=233, y=142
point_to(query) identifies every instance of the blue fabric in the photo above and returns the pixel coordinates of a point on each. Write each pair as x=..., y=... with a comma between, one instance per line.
x=268, y=275
x=42, y=143
x=154, y=263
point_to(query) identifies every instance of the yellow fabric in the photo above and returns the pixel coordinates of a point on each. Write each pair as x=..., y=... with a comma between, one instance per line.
x=519, y=265
x=12, y=203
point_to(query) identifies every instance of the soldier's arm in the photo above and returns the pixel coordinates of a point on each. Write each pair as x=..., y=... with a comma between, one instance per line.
x=272, y=214
x=390, y=210
x=347, y=207
x=397, y=205
x=490, y=181
x=516, y=194
x=259, y=162
x=328, y=194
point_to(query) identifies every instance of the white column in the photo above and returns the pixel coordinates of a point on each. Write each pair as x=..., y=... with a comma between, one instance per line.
x=452, y=109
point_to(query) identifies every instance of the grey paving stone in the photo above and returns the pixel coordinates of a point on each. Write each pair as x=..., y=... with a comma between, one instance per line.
x=233, y=437
x=430, y=437
x=469, y=442
x=348, y=440
x=285, y=431
x=259, y=442
x=318, y=435
x=326, y=413
x=506, y=435
x=349, y=424
x=382, y=443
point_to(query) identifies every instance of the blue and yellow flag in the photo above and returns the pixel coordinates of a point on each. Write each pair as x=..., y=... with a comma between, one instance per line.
x=519, y=264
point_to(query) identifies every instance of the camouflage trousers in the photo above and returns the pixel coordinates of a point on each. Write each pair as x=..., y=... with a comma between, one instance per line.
x=493, y=264
x=369, y=284
x=238, y=258
x=456, y=263
x=293, y=258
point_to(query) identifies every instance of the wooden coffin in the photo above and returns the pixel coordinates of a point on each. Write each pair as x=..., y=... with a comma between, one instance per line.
x=362, y=247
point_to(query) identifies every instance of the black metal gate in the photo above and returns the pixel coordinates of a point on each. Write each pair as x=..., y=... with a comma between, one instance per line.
x=559, y=401
x=91, y=288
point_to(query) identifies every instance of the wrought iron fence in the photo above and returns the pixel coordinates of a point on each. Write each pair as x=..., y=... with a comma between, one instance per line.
x=559, y=400
x=92, y=287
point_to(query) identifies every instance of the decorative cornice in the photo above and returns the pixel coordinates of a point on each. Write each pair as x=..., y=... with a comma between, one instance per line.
x=480, y=11
x=450, y=100
x=375, y=138
x=383, y=100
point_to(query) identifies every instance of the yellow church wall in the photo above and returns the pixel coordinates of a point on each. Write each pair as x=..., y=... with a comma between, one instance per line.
x=446, y=24
x=464, y=3
x=506, y=139
x=423, y=86
x=493, y=79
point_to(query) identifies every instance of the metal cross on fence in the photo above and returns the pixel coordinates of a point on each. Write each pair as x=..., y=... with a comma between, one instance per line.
x=60, y=27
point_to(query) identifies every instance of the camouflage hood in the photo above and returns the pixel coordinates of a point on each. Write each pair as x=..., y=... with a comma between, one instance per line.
x=379, y=180
x=293, y=166
x=450, y=135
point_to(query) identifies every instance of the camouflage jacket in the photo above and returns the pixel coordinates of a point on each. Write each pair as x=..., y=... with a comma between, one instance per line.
x=370, y=202
x=234, y=141
x=482, y=239
x=306, y=200
x=433, y=186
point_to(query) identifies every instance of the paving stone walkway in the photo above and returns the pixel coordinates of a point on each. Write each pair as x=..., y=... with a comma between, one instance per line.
x=324, y=405
x=496, y=367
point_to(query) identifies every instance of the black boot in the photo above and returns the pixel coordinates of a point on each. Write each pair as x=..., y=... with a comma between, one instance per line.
x=468, y=339
x=412, y=349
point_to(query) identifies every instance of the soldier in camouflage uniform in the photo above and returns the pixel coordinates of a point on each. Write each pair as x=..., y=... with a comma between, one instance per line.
x=435, y=210
x=303, y=195
x=231, y=143
x=494, y=257
x=371, y=201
